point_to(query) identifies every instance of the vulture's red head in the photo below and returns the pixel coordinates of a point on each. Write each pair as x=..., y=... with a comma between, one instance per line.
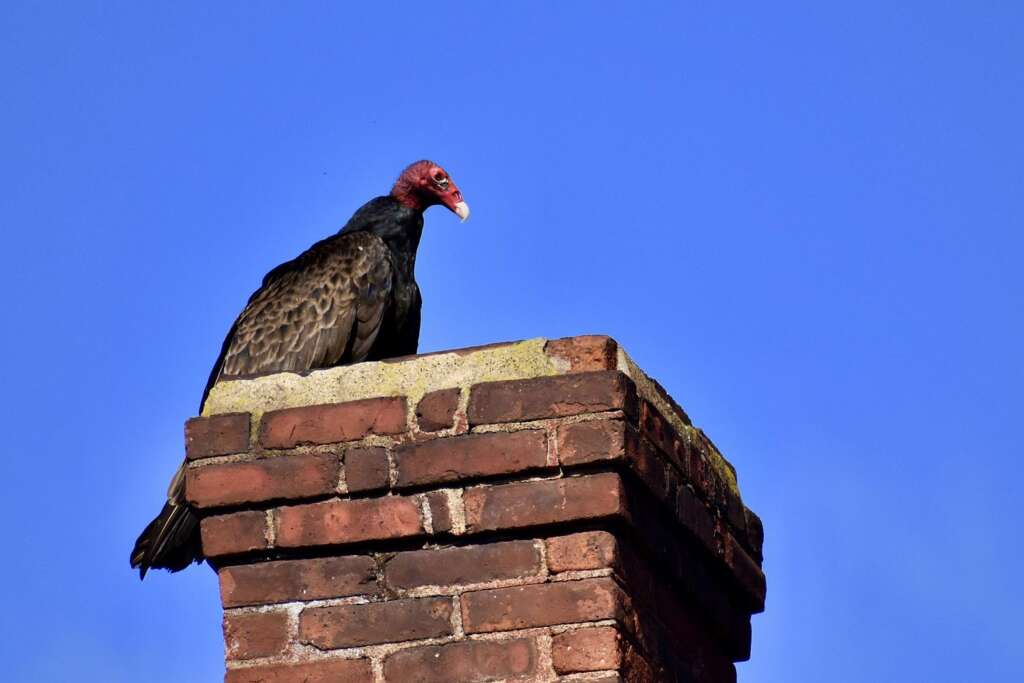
x=424, y=184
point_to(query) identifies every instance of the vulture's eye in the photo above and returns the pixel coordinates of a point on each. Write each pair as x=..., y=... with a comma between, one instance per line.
x=441, y=180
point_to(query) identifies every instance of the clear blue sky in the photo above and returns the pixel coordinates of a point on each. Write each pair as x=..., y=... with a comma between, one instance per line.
x=805, y=220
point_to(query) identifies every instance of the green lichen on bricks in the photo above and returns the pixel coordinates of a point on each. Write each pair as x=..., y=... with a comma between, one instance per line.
x=420, y=375
x=412, y=378
x=646, y=388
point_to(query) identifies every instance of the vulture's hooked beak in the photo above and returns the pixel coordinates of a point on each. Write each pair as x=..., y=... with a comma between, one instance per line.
x=462, y=211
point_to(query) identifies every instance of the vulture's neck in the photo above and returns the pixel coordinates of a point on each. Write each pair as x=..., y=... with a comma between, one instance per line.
x=398, y=225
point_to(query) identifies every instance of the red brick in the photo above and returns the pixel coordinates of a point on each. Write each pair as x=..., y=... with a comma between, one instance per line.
x=472, y=455
x=667, y=620
x=684, y=569
x=290, y=580
x=585, y=353
x=256, y=634
x=216, y=435
x=543, y=397
x=542, y=604
x=287, y=476
x=746, y=573
x=238, y=532
x=676, y=464
x=636, y=669
x=648, y=464
x=587, y=649
x=755, y=535
x=693, y=514
x=656, y=428
x=471, y=661
x=633, y=668
x=440, y=513
x=460, y=566
x=512, y=506
x=366, y=469
x=326, y=671
x=377, y=622
x=734, y=511
x=333, y=423
x=586, y=550
x=436, y=410
x=702, y=473
x=591, y=441
x=696, y=463
x=348, y=521
x=681, y=455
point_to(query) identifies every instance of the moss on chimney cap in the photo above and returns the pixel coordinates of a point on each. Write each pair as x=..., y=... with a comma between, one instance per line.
x=414, y=376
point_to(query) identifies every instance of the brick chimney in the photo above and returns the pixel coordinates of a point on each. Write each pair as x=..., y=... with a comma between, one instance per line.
x=533, y=511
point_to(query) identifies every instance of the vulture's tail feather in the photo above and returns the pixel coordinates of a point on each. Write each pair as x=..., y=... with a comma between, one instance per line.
x=171, y=541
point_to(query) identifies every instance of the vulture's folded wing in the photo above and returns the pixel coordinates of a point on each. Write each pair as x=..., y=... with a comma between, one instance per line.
x=318, y=310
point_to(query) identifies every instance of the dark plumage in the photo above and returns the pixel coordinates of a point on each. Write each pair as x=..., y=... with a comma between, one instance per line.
x=348, y=298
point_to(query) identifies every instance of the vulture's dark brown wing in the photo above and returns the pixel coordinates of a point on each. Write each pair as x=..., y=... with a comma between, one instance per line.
x=321, y=309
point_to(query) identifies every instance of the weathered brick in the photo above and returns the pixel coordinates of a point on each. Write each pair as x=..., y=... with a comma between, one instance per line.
x=656, y=428
x=703, y=475
x=648, y=464
x=460, y=566
x=471, y=661
x=440, y=513
x=348, y=521
x=511, y=506
x=366, y=469
x=542, y=604
x=733, y=511
x=471, y=455
x=238, y=532
x=266, y=583
x=557, y=396
x=436, y=410
x=585, y=353
x=666, y=620
x=601, y=457
x=585, y=550
x=636, y=669
x=326, y=671
x=697, y=467
x=287, y=476
x=340, y=626
x=333, y=423
x=680, y=455
x=755, y=535
x=591, y=441
x=216, y=435
x=633, y=668
x=255, y=634
x=746, y=572
x=684, y=567
x=696, y=517
x=587, y=649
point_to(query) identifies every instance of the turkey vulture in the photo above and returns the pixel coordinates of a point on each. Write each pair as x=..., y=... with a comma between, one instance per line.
x=348, y=298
